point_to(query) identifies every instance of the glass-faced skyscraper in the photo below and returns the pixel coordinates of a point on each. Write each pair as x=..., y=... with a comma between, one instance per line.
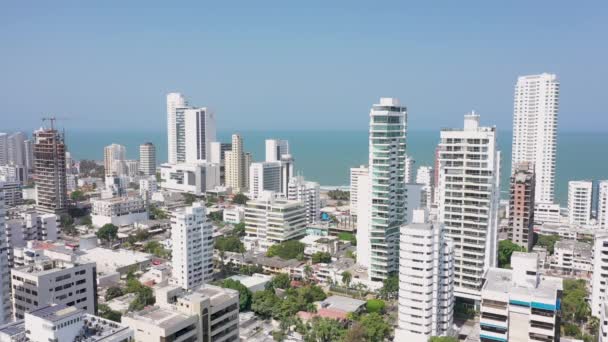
x=386, y=195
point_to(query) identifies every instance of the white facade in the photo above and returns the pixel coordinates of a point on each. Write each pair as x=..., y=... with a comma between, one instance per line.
x=237, y=166
x=234, y=215
x=147, y=159
x=119, y=211
x=535, y=130
x=13, y=193
x=363, y=220
x=425, y=176
x=579, y=202
x=264, y=176
x=54, y=282
x=31, y=226
x=600, y=273
x=426, y=272
x=387, y=135
x=5, y=276
x=269, y=220
x=174, y=101
x=192, y=253
x=469, y=199
x=309, y=194
x=547, y=213
x=147, y=187
x=572, y=258
x=3, y=148
x=199, y=132
x=15, y=148
x=520, y=305
x=195, y=179
x=602, y=205
x=409, y=169
x=355, y=172
x=275, y=149
x=113, y=155
x=286, y=173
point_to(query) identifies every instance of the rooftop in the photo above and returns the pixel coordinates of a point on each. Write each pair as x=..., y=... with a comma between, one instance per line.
x=56, y=312
x=501, y=280
x=161, y=317
x=340, y=303
x=581, y=248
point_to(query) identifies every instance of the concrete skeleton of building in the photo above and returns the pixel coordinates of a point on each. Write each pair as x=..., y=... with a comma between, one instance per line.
x=535, y=130
x=521, y=207
x=5, y=283
x=50, y=171
x=355, y=172
x=192, y=246
x=206, y=313
x=308, y=193
x=426, y=289
x=49, y=281
x=113, y=157
x=602, y=205
x=193, y=178
x=384, y=194
x=237, y=166
x=270, y=220
x=580, y=195
x=119, y=211
x=468, y=201
x=520, y=304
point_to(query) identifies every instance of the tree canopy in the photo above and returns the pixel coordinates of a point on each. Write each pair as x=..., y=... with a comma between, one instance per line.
x=240, y=198
x=292, y=249
x=505, y=250
x=548, y=241
x=107, y=232
x=390, y=288
x=229, y=244
x=244, y=293
x=323, y=257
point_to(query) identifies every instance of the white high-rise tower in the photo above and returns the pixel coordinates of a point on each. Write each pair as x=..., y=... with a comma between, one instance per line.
x=386, y=188
x=199, y=132
x=174, y=101
x=147, y=159
x=580, y=195
x=469, y=173
x=535, y=130
x=5, y=273
x=113, y=155
x=275, y=148
x=602, y=205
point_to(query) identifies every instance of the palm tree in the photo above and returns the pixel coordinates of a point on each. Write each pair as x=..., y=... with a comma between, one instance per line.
x=346, y=278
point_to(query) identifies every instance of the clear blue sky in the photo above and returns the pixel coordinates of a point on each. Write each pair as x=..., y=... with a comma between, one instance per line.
x=296, y=64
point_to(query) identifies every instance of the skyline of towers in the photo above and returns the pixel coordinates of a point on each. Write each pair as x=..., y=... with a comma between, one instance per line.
x=468, y=201
x=535, y=112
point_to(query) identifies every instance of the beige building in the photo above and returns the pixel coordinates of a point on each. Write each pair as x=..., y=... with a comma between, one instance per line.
x=237, y=166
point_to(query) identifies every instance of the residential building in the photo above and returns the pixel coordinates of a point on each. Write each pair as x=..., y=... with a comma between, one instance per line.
x=364, y=202
x=286, y=173
x=147, y=187
x=237, y=166
x=521, y=207
x=270, y=220
x=119, y=211
x=130, y=168
x=255, y=282
x=309, y=194
x=15, y=148
x=547, y=213
x=5, y=280
x=602, y=205
x=409, y=169
x=426, y=287
x=113, y=155
x=3, y=149
x=28, y=151
x=234, y=214
x=535, y=130
x=520, y=304
x=64, y=323
x=603, y=323
x=218, y=156
x=192, y=253
x=355, y=172
x=580, y=194
x=572, y=258
x=387, y=134
x=196, y=178
x=115, y=186
x=468, y=201
x=275, y=149
x=199, y=132
x=600, y=273
x=424, y=176
x=315, y=244
x=30, y=226
x=49, y=171
x=147, y=159
x=50, y=281
x=13, y=193
x=14, y=173
x=174, y=101
x=264, y=176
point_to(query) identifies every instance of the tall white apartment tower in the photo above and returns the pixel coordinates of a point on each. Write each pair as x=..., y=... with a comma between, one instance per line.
x=409, y=169
x=264, y=176
x=5, y=273
x=3, y=148
x=469, y=173
x=147, y=159
x=275, y=148
x=286, y=172
x=309, y=193
x=387, y=134
x=424, y=176
x=355, y=172
x=113, y=155
x=199, y=131
x=599, y=284
x=192, y=252
x=579, y=201
x=174, y=101
x=602, y=205
x=535, y=130
x=16, y=152
x=426, y=272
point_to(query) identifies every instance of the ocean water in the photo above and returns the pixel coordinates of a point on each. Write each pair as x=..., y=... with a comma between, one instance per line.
x=326, y=156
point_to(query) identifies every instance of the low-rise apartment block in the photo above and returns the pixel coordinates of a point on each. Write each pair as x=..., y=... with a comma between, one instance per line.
x=119, y=211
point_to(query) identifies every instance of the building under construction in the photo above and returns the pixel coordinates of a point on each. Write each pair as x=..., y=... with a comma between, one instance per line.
x=49, y=170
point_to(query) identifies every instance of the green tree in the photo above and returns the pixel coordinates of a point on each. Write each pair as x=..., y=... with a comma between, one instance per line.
x=157, y=213
x=376, y=328
x=216, y=216
x=547, y=241
x=375, y=305
x=356, y=333
x=154, y=247
x=281, y=281
x=239, y=229
x=286, y=250
x=145, y=297
x=505, y=250
x=572, y=330
x=107, y=232
x=113, y=292
x=66, y=220
x=104, y=311
x=87, y=221
x=244, y=293
x=229, y=244
x=323, y=257
x=344, y=236
x=443, y=339
x=350, y=254
x=390, y=288
x=338, y=195
x=78, y=196
x=264, y=303
x=325, y=330
x=240, y=198
x=189, y=198
x=308, y=273
x=575, y=309
x=347, y=277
